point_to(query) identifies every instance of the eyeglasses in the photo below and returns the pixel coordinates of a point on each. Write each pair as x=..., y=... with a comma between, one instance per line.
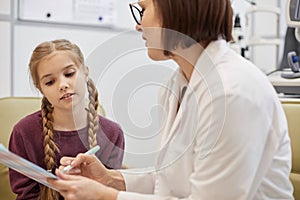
x=136, y=11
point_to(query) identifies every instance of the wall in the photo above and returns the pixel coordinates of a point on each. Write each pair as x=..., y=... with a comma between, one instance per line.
x=5, y=50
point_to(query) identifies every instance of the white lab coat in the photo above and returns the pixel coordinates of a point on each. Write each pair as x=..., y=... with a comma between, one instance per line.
x=228, y=140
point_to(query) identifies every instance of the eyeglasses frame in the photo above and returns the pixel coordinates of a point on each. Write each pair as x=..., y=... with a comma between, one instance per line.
x=132, y=6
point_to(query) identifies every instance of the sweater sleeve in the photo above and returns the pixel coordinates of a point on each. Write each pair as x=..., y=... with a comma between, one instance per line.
x=24, y=187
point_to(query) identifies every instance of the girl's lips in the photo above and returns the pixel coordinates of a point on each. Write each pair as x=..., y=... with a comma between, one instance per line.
x=67, y=96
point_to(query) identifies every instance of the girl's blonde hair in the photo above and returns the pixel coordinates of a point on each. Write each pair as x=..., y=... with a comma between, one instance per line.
x=50, y=148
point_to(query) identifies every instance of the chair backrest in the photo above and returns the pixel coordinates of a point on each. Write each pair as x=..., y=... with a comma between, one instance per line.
x=292, y=111
x=12, y=109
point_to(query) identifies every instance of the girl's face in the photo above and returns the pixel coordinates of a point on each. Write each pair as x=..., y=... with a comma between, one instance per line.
x=62, y=81
x=151, y=30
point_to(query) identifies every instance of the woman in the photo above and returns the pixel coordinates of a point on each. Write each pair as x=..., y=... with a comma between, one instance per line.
x=65, y=125
x=225, y=134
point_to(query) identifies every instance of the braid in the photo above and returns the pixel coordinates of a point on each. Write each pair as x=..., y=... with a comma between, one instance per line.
x=49, y=147
x=93, y=119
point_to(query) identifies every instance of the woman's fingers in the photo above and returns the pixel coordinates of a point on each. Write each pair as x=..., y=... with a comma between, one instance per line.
x=82, y=164
x=74, y=170
x=78, y=160
x=65, y=184
x=83, y=158
x=64, y=176
x=76, y=187
x=66, y=160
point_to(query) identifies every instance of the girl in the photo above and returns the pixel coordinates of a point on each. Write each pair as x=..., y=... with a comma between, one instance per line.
x=64, y=126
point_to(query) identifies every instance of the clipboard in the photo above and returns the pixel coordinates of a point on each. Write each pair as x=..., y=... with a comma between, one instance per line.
x=25, y=167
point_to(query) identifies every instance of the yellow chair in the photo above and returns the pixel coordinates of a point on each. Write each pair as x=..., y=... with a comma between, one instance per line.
x=292, y=111
x=12, y=109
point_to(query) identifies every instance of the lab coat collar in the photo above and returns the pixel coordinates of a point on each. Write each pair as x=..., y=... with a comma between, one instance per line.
x=176, y=84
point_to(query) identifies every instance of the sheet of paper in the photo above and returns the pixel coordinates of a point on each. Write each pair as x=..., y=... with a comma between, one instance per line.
x=24, y=166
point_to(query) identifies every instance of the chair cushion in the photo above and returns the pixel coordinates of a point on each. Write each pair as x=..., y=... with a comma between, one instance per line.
x=292, y=111
x=295, y=178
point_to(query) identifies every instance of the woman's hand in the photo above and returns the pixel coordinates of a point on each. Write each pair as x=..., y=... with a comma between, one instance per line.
x=73, y=187
x=90, y=167
x=86, y=165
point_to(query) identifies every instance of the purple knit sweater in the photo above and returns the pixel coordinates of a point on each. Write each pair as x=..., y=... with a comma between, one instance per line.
x=27, y=141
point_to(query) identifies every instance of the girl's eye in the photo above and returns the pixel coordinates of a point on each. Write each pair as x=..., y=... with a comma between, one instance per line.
x=49, y=83
x=70, y=74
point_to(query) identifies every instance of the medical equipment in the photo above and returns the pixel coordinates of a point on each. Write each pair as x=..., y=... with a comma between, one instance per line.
x=257, y=39
x=292, y=13
x=293, y=61
x=238, y=37
x=287, y=81
x=293, y=16
x=293, y=20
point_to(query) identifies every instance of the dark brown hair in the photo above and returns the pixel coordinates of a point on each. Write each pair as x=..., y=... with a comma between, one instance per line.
x=198, y=20
x=40, y=52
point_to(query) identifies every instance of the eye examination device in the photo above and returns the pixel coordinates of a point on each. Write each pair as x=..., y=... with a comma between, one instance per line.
x=293, y=16
x=293, y=61
x=288, y=81
x=293, y=20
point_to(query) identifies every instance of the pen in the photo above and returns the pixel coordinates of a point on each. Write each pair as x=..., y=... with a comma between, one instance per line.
x=92, y=151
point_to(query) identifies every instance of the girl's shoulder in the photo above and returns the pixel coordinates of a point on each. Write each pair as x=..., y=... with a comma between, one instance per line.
x=109, y=125
x=30, y=121
x=112, y=131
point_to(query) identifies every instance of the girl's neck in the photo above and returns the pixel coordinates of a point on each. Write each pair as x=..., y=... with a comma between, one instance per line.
x=74, y=119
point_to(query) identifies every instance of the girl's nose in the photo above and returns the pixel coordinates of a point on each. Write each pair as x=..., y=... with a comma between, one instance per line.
x=63, y=85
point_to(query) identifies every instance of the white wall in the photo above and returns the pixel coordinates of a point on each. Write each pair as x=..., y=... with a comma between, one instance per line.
x=5, y=49
x=5, y=7
x=5, y=55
